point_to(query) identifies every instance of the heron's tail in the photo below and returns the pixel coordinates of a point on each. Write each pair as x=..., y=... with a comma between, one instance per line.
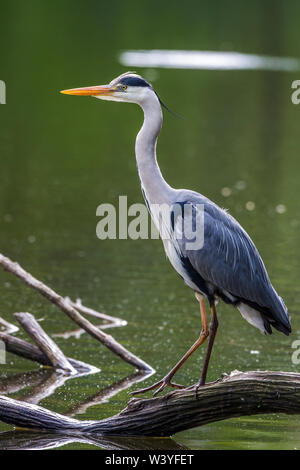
x=277, y=314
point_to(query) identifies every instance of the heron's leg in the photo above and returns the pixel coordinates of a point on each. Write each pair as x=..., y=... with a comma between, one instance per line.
x=163, y=383
x=213, y=327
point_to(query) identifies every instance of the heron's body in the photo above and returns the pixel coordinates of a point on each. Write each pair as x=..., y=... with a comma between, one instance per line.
x=227, y=266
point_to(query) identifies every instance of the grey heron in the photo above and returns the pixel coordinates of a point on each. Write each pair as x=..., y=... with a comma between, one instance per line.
x=227, y=266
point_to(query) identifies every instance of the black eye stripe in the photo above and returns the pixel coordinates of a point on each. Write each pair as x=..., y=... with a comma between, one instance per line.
x=134, y=81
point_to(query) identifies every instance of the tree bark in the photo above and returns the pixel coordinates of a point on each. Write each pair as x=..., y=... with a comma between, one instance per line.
x=238, y=394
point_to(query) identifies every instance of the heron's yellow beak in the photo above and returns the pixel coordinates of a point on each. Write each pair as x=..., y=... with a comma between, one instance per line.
x=104, y=90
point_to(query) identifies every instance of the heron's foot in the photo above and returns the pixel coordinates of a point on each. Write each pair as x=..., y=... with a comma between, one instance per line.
x=160, y=386
x=201, y=384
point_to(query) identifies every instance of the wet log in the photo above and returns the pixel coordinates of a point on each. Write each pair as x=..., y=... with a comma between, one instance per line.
x=239, y=394
x=24, y=349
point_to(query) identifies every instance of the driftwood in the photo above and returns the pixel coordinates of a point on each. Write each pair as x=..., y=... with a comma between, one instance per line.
x=33, y=353
x=55, y=355
x=24, y=349
x=238, y=394
x=45, y=352
x=66, y=306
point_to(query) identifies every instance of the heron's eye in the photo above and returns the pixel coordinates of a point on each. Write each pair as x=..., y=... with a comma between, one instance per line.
x=123, y=87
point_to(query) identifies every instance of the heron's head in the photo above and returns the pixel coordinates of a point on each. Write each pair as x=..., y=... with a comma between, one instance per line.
x=128, y=87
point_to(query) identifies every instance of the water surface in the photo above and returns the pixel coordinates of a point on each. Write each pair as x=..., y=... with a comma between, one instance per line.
x=62, y=156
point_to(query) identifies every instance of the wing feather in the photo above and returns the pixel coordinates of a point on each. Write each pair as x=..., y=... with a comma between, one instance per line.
x=229, y=259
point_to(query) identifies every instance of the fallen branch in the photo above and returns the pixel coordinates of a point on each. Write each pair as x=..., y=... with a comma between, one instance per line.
x=79, y=331
x=238, y=394
x=90, y=311
x=33, y=353
x=67, y=308
x=55, y=355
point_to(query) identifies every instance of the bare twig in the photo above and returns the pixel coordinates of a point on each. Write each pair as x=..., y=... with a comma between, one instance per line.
x=79, y=331
x=112, y=322
x=44, y=342
x=65, y=306
x=89, y=311
x=7, y=327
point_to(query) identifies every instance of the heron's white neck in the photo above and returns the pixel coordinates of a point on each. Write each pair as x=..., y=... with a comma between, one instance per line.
x=157, y=190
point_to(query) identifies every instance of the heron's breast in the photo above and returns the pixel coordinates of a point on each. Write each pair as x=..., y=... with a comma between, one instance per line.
x=177, y=264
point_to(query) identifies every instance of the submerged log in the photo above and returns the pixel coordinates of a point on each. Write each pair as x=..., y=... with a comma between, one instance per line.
x=239, y=394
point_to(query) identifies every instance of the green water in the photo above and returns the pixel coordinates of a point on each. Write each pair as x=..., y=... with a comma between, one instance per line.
x=62, y=156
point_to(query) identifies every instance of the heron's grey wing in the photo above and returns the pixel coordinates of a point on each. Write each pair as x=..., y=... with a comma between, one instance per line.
x=228, y=259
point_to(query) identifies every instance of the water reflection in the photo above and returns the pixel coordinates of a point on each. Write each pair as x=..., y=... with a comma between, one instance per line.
x=209, y=60
x=43, y=383
x=107, y=393
x=28, y=440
